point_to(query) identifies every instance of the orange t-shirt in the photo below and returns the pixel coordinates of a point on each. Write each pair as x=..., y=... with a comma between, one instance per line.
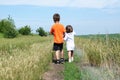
x=58, y=31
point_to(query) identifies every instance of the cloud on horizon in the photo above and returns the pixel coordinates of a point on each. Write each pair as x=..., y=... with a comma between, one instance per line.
x=66, y=3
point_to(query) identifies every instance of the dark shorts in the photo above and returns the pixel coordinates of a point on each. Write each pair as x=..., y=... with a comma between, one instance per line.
x=57, y=46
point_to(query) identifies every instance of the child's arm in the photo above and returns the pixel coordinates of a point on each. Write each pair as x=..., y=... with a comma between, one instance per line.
x=51, y=31
x=65, y=37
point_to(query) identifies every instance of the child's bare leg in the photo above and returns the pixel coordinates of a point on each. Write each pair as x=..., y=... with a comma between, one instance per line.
x=69, y=56
x=57, y=53
x=57, y=57
x=72, y=53
x=62, y=54
x=72, y=56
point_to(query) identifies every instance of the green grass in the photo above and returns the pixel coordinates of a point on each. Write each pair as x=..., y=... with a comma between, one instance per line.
x=72, y=71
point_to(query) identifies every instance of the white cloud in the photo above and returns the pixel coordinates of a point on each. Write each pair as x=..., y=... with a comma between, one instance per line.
x=35, y=2
x=65, y=3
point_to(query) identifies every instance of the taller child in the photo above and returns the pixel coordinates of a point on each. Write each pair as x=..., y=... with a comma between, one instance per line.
x=58, y=31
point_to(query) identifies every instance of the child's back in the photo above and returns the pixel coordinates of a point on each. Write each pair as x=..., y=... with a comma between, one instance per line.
x=69, y=37
x=58, y=32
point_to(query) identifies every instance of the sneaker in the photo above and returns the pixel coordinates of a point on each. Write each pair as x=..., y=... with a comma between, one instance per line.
x=72, y=59
x=58, y=62
x=62, y=60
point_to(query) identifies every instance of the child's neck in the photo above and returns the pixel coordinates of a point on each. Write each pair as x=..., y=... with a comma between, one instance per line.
x=56, y=22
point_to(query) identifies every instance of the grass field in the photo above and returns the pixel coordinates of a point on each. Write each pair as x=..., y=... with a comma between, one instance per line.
x=24, y=58
x=27, y=58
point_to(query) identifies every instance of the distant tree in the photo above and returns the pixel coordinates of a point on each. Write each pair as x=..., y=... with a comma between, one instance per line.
x=26, y=30
x=41, y=31
x=6, y=26
x=10, y=33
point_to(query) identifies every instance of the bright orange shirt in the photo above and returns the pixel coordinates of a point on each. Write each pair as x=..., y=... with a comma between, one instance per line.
x=58, y=31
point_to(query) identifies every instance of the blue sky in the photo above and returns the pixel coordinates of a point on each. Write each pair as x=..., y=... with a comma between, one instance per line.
x=86, y=16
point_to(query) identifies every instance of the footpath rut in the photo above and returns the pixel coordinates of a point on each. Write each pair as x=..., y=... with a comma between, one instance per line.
x=54, y=72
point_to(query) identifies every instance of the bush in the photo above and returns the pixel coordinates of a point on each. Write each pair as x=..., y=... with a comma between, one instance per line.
x=7, y=28
x=41, y=31
x=26, y=30
x=10, y=33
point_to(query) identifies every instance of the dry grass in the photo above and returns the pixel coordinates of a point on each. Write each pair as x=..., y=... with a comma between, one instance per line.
x=25, y=58
x=102, y=54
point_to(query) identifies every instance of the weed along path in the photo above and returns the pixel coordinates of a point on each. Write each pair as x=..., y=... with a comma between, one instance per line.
x=55, y=72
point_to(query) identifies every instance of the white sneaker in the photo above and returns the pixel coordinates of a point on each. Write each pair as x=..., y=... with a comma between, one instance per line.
x=72, y=59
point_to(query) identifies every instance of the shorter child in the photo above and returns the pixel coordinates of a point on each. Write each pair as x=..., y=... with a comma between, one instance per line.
x=69, y=38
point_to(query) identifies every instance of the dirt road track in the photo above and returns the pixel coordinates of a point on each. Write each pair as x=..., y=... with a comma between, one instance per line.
x=54, y=73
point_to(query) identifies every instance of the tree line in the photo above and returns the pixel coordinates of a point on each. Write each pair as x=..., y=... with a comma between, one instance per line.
x=9, y=30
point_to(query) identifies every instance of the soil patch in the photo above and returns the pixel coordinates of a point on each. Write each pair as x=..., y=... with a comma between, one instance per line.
x=55, y=72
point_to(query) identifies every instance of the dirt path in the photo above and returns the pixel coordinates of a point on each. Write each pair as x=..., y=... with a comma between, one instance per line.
x=54, y=72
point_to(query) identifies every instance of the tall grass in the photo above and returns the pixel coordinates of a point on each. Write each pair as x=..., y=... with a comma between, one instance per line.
x=24, y=58
x=101, y=51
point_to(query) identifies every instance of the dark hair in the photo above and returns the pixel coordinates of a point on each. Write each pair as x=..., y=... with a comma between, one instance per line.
x=56, y=17
x=69, y=29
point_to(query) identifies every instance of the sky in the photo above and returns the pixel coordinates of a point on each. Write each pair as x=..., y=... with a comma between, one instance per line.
x=85, y=16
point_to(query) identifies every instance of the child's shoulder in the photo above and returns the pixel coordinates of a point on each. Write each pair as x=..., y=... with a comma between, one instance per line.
x=57, y=24
x=70, y=34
